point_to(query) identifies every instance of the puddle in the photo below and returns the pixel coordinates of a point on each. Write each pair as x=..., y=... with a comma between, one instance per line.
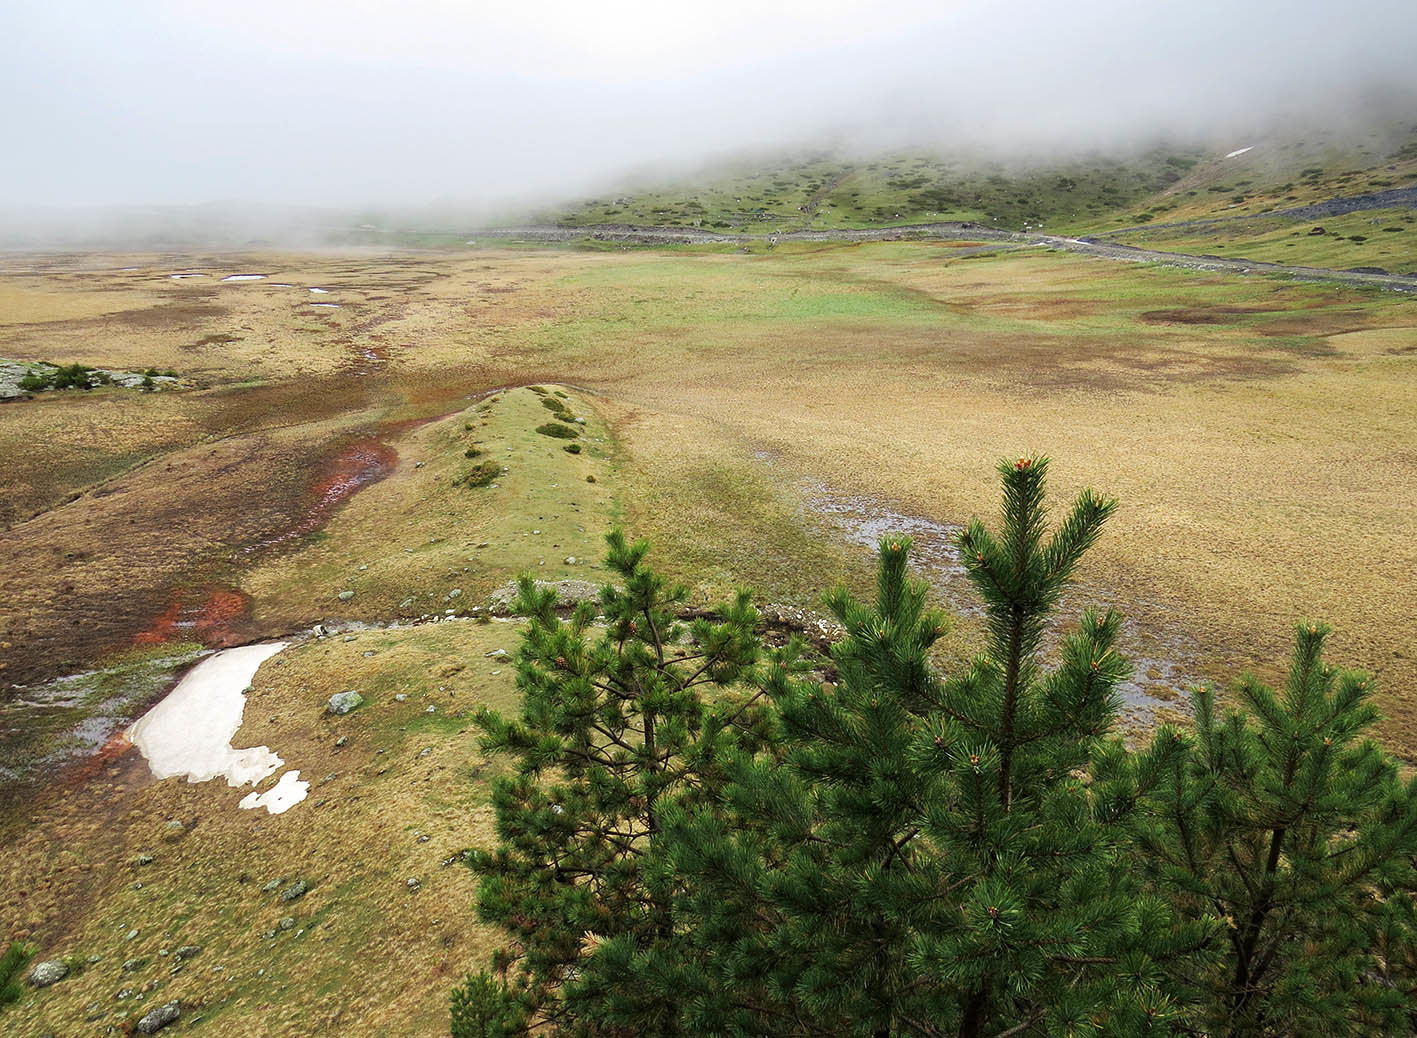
x=1163, y=665
x=331, y=306
x=244, y=277
x=189, y=733
x=320, y=291
x=863, y=521
x=281, y=284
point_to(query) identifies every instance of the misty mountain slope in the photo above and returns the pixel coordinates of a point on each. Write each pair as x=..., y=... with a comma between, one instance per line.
x=1135, y=197
x=907, y=187
x=1309, y=202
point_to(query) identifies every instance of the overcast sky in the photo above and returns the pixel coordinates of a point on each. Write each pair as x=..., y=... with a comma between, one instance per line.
x=410, y=101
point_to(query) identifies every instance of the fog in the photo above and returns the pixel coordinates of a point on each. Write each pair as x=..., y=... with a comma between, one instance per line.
x=485, y=107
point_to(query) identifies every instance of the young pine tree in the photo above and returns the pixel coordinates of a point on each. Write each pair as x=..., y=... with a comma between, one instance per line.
x=1029, y=802
x=1298, y=832
x=613, y=724
x=924, y=856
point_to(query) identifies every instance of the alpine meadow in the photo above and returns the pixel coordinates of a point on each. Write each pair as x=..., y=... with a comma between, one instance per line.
x=803, y=520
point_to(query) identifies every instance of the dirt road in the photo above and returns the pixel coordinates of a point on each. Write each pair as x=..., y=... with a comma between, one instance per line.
x=631, y=234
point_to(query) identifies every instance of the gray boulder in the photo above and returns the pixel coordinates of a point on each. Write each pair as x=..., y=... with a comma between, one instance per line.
x=46, y=973
x=344, y=702
x=295, y=891
x=159, y=1018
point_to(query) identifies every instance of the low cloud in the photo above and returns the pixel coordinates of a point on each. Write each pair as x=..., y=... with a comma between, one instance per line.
x=480, y=107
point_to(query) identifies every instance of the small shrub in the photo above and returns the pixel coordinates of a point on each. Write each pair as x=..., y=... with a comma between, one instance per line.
x=34, y=381
x=12, y=965
x=147, y=385
x=72, y=376
x=538, y=390
x=480, y=475
x=472, y=452
x=559, y=431
x=552, y=404
x=572, y=448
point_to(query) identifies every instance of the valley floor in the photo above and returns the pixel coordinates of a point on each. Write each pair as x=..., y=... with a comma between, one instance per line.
x=759, y=416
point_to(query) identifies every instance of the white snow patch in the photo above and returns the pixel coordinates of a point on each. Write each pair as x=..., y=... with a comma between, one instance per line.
x=1240, y=151
x=189, y=733
x=320, y=291
x=285, y=794
x=244, y=277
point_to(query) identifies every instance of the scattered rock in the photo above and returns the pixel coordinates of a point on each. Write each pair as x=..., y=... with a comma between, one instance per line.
x=341, y=741
x=272, y=885
x=133, y=965
x=295, y=891
x=188, y=951
x=145, y=859
x=400, y=697
x=570, y=560
x=320, y=631
x=344, y=702
x=46, y=973
x=345, y=596
x=132, y=935
x=455, y=593
x=568, y=593
x=496, y=654
x=286, y=923
x=174, y=830
x=160, y=1018
x=413, y=884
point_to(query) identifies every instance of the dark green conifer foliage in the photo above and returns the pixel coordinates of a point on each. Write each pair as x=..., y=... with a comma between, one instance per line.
x=12, y=964
x=613, y=723
x=796, y=913
x=879, y=850
x=1295, y=830
x=483, y=1007
x=1029, y=801
x=924, y=856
